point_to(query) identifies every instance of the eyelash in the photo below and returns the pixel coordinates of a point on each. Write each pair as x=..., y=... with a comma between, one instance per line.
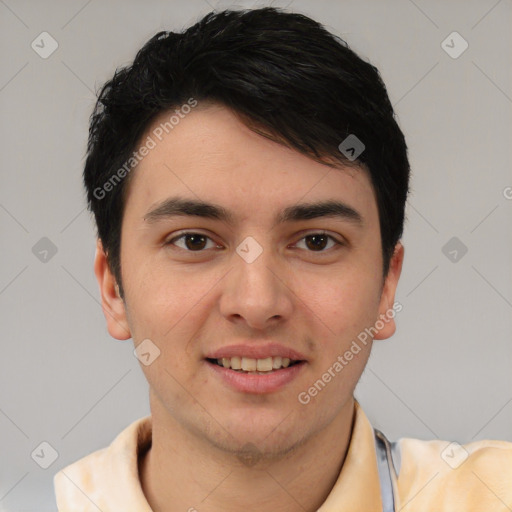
x=186, y=233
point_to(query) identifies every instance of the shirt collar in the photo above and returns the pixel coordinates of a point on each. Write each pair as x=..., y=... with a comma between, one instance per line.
x=109, y=478
x=357, y=487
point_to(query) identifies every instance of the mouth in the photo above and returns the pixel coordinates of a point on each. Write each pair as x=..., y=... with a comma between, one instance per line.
x=255, y=376
x=252, y=366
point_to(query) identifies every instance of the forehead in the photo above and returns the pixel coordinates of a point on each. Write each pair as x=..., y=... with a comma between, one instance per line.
x=210, y=154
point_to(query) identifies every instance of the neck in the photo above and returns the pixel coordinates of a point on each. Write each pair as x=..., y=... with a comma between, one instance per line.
x=182, y=471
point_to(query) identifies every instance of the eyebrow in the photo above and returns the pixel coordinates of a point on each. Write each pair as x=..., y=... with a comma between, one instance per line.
x=178, y=206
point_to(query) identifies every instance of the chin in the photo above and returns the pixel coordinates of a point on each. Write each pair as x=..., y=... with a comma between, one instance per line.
x=274, y=432
x=250, y=451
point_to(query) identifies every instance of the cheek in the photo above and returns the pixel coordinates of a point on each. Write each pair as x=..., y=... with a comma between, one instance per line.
x=157, y=293
x=344, y=303
x=170, y=308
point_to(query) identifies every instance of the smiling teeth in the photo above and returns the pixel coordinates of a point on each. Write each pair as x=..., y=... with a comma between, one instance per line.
x=249, y=364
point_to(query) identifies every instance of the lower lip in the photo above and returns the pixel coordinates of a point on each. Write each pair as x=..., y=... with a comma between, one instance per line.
x=258, y=384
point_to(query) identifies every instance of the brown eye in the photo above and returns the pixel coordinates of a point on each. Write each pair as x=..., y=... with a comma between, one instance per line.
x=318, y=242
x=192, y=242
x=315, y=242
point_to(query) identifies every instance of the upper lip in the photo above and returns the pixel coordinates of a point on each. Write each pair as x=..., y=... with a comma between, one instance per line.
x=255, y=351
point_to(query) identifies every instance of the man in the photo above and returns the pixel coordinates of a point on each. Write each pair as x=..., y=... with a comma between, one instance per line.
x=248, y=181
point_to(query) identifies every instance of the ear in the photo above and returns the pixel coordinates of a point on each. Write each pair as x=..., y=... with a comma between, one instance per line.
x=387, y=299
x=111, y=302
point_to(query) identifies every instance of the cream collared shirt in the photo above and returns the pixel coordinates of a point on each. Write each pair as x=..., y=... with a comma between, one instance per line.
x=432, y=476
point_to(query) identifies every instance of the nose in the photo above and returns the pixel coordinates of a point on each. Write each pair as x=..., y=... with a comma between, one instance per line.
x=257, y=293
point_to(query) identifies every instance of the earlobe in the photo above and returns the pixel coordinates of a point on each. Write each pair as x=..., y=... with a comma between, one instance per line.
x=111, y=301
x=387, y=309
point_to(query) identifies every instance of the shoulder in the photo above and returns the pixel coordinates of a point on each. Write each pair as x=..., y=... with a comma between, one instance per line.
x=448, y=474
x=106, y=475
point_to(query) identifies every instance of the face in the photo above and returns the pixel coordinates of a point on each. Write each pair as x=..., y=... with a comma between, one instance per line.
x=262, y=276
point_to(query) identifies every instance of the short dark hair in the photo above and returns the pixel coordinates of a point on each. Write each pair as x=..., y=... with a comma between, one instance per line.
x=287, y=78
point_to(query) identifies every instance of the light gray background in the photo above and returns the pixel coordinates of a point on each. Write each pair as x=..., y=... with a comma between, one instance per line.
x=445, y=374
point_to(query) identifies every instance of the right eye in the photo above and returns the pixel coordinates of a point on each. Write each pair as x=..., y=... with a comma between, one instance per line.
x=191, y=241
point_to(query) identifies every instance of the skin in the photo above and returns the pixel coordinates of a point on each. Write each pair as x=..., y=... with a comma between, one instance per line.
x=191, y=303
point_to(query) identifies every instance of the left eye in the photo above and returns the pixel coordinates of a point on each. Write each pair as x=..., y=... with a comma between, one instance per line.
x=318, y=241
x=196, y=242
